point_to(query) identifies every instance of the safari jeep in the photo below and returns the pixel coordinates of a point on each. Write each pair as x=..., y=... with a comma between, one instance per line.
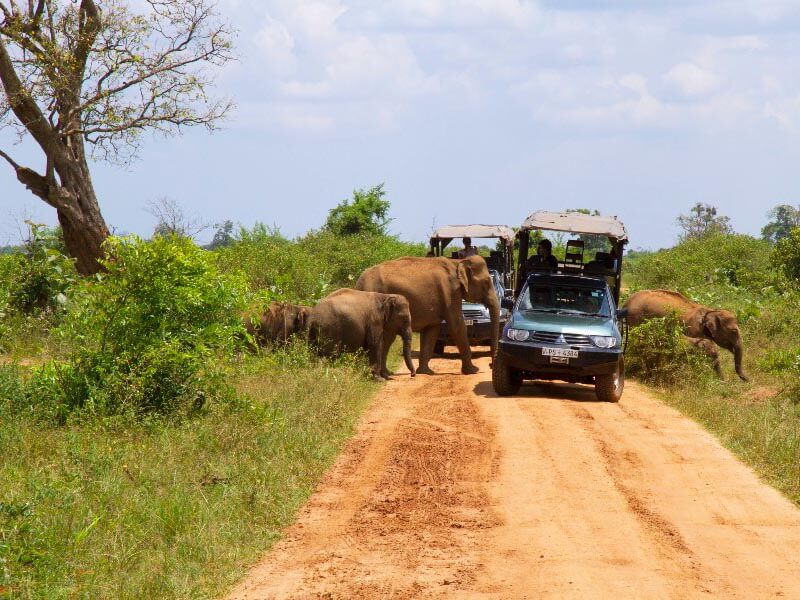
x=564, y=321
x=500, y=263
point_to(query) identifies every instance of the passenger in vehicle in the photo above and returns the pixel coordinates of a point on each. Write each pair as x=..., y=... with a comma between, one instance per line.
x=543, y=260
x=469, y=249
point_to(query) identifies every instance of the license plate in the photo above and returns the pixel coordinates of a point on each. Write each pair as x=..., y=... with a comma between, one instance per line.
x=468, y=321
x=560, y=352
x=559, y=360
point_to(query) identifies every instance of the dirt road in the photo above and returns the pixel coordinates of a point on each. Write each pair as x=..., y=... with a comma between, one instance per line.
x=450, y=491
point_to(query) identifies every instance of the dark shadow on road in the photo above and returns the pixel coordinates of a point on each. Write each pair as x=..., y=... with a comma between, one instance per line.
x=551, y=390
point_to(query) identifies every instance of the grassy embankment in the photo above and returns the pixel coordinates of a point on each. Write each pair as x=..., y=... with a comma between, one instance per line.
x=140, y=505
x=758, y=420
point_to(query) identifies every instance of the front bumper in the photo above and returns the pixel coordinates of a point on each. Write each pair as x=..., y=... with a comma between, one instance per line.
x=527, y=356
x=480, y=332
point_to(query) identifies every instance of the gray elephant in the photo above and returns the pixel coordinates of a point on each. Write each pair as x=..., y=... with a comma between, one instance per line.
x=350, y=320
x=699, y=321
x=279, y=322
x=434, y=288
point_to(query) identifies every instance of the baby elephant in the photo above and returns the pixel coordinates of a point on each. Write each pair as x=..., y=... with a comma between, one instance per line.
x=348, y=320
x=277, y=323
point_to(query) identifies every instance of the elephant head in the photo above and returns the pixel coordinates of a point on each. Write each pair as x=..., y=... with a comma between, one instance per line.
x=476, y=286
x=397, y=318
x=278, y=322
x=722, y=327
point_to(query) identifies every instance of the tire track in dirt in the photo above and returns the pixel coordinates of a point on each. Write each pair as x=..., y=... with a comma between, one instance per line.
x=447, y=490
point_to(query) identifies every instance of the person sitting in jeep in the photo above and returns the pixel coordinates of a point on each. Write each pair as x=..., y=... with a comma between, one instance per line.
x=469, y=249
x=543, y=260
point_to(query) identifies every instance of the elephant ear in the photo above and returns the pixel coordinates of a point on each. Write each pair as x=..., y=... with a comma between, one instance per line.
x=389, y=306
x=711, y=324
x=301, y=320
x=464, y=270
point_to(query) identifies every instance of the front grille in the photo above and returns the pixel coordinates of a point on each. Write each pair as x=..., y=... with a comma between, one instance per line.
x=572, y=339
x=473, y=314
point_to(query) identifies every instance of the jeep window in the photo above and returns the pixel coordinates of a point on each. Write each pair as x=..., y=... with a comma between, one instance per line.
x=565, y=299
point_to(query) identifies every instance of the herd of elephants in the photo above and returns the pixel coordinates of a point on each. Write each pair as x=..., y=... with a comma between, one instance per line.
x=398, y=297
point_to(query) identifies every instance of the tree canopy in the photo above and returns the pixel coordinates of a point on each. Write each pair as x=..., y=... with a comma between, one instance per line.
x=367, y=213
x=783, y=218
x=86, y=78
x=703, y=220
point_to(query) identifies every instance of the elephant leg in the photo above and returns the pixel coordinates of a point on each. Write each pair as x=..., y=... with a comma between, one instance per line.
x=426, y=343
x=375, y=352
x=458, y=331
x=388, y=340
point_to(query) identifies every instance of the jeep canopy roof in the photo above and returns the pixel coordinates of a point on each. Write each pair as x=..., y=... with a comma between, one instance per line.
x=573, y=222
x=450, y=232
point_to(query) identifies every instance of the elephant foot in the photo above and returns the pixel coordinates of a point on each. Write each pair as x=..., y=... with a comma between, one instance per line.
x=386, y=374
x=469, y=369
x=378, y=377
x=425, y=371
x=743, y=377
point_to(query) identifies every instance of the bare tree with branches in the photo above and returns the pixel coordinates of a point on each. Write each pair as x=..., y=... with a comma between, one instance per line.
x=85, y=79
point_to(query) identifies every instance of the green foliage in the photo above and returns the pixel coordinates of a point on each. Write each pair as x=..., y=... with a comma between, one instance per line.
x=144, y=334
x=38, y=277
x=366, y=214
x=722, y=261
x=703, y=220
x=786, y=255
x=784, y=218
x=658, y=354
x=310, y=267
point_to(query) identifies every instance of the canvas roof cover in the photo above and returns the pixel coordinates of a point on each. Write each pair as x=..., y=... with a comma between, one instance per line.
x=475, y=231
x=577, y=223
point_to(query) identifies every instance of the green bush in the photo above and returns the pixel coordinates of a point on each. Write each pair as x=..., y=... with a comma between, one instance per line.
x=724, y=260
x=310, y=267
x=144, y=334
x=786, y=255
x=658, y=354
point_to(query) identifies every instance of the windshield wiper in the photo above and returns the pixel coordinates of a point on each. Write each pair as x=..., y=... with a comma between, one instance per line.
x=544, y=310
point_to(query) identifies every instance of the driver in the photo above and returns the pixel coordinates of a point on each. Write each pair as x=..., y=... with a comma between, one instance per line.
x=543, y=260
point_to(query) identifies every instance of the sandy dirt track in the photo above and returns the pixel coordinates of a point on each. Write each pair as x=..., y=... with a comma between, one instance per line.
x=450, y=491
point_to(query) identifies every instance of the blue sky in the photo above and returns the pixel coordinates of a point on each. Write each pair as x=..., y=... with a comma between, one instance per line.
x=480, y=111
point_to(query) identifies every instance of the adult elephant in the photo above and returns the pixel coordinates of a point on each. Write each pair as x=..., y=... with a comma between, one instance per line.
x=277, y=323
x=700, y=321
x=435, y=288
x=350, y=320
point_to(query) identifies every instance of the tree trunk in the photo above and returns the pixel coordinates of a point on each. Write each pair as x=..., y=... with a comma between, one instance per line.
x=84, y=239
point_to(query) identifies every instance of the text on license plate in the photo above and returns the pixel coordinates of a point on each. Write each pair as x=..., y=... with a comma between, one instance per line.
x=468, y=322
x=560, y=352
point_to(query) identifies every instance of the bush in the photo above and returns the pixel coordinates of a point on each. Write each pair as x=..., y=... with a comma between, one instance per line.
x=310, y=267
x=786, y=255
x=658, y=354
x=145, y=334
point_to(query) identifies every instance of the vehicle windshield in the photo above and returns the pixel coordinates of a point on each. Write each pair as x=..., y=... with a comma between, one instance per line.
x=565, y=299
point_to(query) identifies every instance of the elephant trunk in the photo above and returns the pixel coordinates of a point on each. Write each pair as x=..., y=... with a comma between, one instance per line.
x=406, y=335
x=738, y=352
x=493, y=304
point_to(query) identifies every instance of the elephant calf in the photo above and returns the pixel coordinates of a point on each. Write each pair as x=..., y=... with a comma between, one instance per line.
x=350, y=320
x=279, y=322
x=700, y=322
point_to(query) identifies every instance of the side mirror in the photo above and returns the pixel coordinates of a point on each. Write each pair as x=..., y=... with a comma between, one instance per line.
x=507, y=303
x=622, y=313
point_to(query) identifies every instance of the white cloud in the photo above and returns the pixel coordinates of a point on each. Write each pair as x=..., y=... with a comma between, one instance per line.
x=691, y=81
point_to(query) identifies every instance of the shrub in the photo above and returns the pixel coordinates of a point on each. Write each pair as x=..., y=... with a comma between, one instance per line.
x=786, y=255
x=145, y=333
x=658, y=354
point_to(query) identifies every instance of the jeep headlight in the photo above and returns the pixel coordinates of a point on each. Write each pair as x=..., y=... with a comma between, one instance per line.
x=518, y=335
x=603, y=341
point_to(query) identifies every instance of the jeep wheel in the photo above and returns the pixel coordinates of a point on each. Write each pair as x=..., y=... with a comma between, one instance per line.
x=438, y=348
x=609, y=387
x=505, y=379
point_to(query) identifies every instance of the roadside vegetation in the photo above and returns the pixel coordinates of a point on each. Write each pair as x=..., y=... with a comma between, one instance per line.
x=758, y=280
x=142, y=453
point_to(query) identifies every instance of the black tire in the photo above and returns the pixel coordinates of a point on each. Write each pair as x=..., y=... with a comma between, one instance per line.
x=608, y=388
x=505, y=379
x=438, y=348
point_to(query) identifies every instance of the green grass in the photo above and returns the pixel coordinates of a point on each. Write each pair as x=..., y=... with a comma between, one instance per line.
x=112, y=509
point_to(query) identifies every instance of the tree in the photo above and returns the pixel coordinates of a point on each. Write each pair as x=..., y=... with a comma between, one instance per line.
x=784, y=218
x=786, y=254
x=367, y=213
x=171, y=220
x=86, y=78
x=703, y=220
x=223, y=236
